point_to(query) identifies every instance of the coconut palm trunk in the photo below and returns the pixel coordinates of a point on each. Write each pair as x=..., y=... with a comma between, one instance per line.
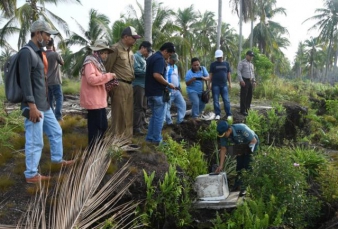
x=147, y=20
x=219, y=25
x=240, y=29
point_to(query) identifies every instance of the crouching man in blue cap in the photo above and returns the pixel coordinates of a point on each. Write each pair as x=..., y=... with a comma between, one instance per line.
x=237, y=134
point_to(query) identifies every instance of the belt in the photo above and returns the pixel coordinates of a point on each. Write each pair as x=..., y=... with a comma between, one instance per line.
x=246, y=79
x=124, y=81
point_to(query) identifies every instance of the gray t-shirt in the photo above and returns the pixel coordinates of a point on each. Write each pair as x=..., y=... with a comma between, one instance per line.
x=54, y=74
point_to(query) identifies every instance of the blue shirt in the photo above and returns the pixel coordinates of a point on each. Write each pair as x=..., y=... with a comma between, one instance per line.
x=139, y=69
x=220, y=72
x=197, y=85
x=155, y=64
x=241, y=134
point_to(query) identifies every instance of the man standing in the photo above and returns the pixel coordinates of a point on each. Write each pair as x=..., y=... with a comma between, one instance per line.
x=220, y=74
x=35, y=106
x=121, y=62
x=175, y=95
x=140, y=100
x=246, y=78
x=155, y=88
x=237, y=134
x=54, y=80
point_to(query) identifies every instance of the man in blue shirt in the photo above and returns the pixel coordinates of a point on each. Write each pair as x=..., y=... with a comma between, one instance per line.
x=220, y=74
x=175, y=95
x=140, y=100
x=237, y=134
x=155, y=86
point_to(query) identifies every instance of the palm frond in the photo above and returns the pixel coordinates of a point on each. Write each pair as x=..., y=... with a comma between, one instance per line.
x=79, y=201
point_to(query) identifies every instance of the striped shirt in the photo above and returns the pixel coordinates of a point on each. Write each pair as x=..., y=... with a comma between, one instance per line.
x=245, y=70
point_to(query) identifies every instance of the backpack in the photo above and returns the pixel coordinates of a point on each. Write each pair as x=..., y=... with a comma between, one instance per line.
x=12, y=78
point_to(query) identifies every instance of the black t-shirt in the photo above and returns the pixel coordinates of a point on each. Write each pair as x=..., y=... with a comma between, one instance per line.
x=219, y=72
x=155, y=64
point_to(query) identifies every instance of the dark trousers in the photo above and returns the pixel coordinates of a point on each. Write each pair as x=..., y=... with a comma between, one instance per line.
x=97, y=124
x=140, y=107
x=246, y=96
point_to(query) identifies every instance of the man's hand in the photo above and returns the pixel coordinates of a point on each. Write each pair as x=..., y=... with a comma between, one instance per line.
x=172, y=86
x=219, y=169
x=34, y=114
x=242, y=83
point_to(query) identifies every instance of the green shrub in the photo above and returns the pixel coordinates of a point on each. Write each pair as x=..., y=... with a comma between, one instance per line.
x=328, y=181
x=275, y=173
x=252, y=215
x=70, y=87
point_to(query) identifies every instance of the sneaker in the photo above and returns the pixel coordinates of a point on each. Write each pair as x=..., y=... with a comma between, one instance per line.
x=217, y=117
x=37, y=178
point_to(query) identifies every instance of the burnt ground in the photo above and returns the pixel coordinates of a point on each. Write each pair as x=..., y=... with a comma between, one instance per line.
x=14, y=201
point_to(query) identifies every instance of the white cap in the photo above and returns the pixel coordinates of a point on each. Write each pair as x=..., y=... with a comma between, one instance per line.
x=218, y=53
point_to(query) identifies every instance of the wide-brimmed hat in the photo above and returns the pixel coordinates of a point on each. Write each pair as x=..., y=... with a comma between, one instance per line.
x=130, y=31
x=101, y=44
x=42, y=26
x=222, y=127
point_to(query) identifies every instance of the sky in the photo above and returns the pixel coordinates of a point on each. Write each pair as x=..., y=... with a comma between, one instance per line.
x=297, y=12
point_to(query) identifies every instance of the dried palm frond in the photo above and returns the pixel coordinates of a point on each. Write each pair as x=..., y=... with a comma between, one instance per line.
x=79, y=201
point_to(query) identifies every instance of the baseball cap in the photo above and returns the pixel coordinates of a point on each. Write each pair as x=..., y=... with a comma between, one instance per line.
x=43, y=26
x=101, y=44
x=174, y=57
x=130, y=31
x=250, y=53
x=218, y=53
x=222, y=127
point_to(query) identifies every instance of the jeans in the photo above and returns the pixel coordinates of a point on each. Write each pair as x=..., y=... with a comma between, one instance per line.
x=55, y=92
x=177, y=98
x=223, y=91
x=197, y=104
x=34, y=141
x=157, y=107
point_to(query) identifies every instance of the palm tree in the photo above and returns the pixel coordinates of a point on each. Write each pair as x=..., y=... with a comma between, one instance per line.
x=8, y=7
x=311, y=50
x=300, y=60
x=264, y=33
x=23, y=16
x=327, y=23
x=98, y=27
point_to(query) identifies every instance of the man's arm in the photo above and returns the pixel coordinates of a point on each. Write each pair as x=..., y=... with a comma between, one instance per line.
x=229, y=79
x=161, y=80
x=239, y=73
x=111, y=60
x=59, y=59
x=139, y=68
x=222, y=155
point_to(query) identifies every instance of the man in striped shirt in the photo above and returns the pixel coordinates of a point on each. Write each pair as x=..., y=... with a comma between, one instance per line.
x=246, y=78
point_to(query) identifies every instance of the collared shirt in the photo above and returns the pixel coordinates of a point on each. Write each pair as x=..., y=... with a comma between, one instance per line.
x=121, y=62
x=32, y=79
x=241, y=134
x=139, y=69
x=245, y=70
x=173, y=77
x=54, y=73
x=197, y=85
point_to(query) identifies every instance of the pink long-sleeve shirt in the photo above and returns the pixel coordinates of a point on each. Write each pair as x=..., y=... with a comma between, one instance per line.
x=93, y=94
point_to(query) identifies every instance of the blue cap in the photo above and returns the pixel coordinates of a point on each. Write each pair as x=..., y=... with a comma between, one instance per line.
x=222, y=127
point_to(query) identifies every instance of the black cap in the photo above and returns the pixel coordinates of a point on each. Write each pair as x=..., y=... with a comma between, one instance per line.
x=170, y=47
x=130, y=31
x=250, y=53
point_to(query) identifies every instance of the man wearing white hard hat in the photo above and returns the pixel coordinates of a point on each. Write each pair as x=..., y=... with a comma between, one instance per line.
x=220, y=80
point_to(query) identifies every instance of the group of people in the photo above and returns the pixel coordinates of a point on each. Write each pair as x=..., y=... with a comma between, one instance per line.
x=133, y=82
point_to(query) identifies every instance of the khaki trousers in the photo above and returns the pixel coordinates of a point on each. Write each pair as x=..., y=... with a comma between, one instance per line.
x=122, y=110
